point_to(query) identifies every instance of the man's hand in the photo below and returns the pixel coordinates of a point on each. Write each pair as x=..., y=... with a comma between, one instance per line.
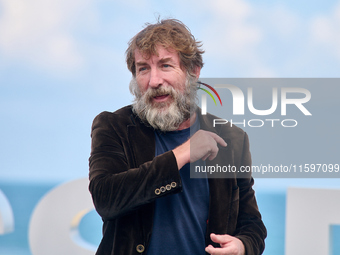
x=229, y=245
x=202, y=145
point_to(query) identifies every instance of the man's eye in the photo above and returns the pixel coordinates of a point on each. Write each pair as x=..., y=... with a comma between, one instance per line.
x=141, y=69
x=166, y=65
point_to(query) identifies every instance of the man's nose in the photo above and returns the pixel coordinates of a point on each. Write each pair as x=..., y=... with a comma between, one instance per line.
x=156, y=79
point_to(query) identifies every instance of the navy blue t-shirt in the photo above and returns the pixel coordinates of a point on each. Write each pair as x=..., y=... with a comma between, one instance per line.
x=180, y=219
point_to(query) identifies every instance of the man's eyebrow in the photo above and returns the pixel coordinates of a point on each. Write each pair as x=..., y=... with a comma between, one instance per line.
x=164, y=60
x=141, y=63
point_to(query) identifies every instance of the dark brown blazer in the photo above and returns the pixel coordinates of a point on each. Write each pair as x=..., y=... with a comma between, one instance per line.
x=126, y=177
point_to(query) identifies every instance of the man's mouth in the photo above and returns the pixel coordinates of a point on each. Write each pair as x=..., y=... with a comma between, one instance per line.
x=161, y=98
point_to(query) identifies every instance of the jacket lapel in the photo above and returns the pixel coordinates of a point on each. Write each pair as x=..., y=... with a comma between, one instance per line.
x=142, y=142
x=221, y=189
x=142, y=147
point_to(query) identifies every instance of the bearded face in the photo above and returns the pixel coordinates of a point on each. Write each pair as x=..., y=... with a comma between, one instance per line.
x=168, y=115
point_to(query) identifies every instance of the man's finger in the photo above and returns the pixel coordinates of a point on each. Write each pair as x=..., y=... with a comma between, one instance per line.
x=220, y=251
x=218, y=139
x=206, y=156
x=213, y=154
x=221, y=239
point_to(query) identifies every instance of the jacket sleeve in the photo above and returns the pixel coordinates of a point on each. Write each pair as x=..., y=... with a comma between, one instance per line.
x=115, y=186
x=250, y=228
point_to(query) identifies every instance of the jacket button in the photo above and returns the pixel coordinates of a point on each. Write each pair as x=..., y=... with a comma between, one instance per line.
x=157, y=191
x=168, y=187
x=140, y=248
x=163, y=189
x=173, y=185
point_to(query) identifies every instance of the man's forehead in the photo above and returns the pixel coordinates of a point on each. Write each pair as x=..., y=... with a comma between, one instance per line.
x=161, y=53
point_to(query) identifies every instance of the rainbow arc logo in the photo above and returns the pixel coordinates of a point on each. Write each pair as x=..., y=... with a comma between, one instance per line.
x=209, y=93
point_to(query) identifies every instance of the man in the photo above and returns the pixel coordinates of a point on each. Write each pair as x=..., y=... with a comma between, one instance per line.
x=139, y=165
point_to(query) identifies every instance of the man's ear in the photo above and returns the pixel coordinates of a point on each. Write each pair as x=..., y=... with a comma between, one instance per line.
x=197, y=72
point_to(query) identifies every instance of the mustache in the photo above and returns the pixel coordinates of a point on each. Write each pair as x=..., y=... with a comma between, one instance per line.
x=161, y=91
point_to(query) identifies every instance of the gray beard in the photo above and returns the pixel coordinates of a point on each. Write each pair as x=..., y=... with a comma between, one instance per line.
x=165, y=116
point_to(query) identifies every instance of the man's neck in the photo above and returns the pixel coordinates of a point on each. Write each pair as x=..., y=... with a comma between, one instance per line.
x=188, y=123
